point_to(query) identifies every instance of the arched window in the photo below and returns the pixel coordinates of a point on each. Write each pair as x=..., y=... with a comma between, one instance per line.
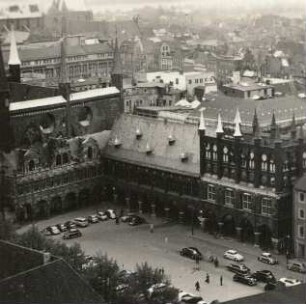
x=264, y=162
x=31, y=165
x=215, y=155
x=207, y=152
x=65, y=158
x=89, y=153
x=58, y=160
x=251, y=161
x=272, y=166
x=225, y=154
x=304, y=160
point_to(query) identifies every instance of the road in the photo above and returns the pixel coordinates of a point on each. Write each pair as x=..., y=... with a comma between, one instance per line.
x=131, y=245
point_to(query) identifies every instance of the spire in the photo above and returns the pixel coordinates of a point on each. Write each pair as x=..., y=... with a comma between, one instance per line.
x=255, y=125
x=117, y=67
x=14, y=57
x=273, y=127
x=219, y=129
x=202, y=126
x=237, y=117
x=237, y=132
x=293, y=130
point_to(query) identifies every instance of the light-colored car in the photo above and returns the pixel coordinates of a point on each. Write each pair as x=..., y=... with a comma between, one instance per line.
x=111, y=213
x=102, y=216
x=233, y=255
x=51, y=230
x=81, y=222
x=155, y=288
x=290, y=282
x=296, y=265
x=266, y=257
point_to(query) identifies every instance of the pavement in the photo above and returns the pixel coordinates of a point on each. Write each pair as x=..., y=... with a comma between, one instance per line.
x=160, y=248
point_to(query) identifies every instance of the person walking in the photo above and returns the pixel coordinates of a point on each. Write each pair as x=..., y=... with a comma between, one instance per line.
x=216, y=262
x=197, y=286
x=207, y=280
x=221, y=280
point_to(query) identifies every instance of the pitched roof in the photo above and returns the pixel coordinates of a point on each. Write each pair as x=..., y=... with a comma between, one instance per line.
x=14, y=56
x=155, y=132
x=93, y=93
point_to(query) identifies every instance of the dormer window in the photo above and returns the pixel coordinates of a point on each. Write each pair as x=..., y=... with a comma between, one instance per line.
x=138, y=133
x=184, y=157
x=117, y=142
x=171, y=140
x=148, y=149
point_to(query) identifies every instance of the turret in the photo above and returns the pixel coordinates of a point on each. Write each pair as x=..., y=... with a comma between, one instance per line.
x=219, y=129
x=237, y=121
x=255, y=125
x=293, y=130
x=14, y=60
x=273, y=127
x=116, y=75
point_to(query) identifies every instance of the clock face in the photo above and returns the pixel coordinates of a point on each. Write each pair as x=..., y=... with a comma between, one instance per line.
x=225, y=150
x=264, y=157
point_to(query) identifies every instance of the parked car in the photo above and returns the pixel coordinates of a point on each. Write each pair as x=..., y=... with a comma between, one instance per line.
x=93, y=219
x=127, y=218
x=111, y=214
x=156, y=288
x=185, y=297
x=72, y=233
x=81, y=222
x=51, y=230
x=102, y=216
x=266, y=257
x=137, y=220
x=192, y=253
x=239, y=269
x=264, y=276
x=70, y=225
x=233, y=255
x=62, y=227
x=270, y=286
x=296, y=265
x=290, y=282
x=245, y=279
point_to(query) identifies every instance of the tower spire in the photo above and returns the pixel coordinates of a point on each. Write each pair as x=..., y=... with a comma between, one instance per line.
x=116, y=75
x=202, y=126
x=293, y=130
x=14, y=60
x=273, y=127
x=255, y=125
x=219, y=129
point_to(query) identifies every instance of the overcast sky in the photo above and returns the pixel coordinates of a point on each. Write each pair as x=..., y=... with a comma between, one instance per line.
x=125, y=4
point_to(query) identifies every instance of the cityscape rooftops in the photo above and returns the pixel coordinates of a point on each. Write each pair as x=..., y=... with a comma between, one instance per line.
x=20, y=11
x=245, y=86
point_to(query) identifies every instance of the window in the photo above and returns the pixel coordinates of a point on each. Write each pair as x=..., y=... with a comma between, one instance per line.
x=301, y=231
x=247, y=201
x=225, y=154
x=58, y=160
x=215, y=155
x=229, y=197
x=190, y=81
x=301, y=214
x=267, y=206
x=264, y=163
x=304, y=160
x=89, y=153
x=272, y=166
x=211, y=193
x=31, y=165
x=176, y=81
x=65, y=158
x=301, y=197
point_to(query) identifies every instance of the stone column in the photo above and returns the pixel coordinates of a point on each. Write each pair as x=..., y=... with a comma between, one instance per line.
x=181, y=217
x=167, y=211
x=153, y=210
x=238, y=233
x=140, y=207
x=256, y=239
x=128, y=204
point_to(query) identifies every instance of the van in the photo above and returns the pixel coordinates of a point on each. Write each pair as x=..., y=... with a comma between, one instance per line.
x=296, y=265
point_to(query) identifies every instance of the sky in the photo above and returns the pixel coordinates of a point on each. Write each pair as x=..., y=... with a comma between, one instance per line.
x=127, y=4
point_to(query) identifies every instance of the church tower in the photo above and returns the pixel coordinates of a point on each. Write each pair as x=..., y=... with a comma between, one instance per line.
x=116, y=76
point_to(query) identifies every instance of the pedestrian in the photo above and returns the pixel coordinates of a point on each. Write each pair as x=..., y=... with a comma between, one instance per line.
x=216, y=262
x=151, y=228
x=207, y=280
x=197, y=286
x=221, y=280
x=117, y=220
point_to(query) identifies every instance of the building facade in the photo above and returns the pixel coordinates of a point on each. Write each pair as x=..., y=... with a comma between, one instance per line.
x=299, y=218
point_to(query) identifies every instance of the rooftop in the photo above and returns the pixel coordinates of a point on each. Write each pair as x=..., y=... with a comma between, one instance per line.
x=245, y=86
x=93, y=93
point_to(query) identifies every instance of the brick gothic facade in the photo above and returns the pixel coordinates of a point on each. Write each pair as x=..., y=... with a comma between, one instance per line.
x=240, y=186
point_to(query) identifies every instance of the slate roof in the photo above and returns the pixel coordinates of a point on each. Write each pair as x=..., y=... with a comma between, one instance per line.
x=155, y=132
x=284, y=108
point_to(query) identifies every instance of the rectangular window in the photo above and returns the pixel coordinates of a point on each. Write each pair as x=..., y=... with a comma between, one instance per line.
x=211, y=193
x=247, y=201
x=190, y=81
x=301, y=197
x=301, y=214
x=267, y=206
x=301, y=231
x=229, y=197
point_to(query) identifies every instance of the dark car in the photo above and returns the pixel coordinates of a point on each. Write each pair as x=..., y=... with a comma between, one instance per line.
x=245, y=279
x=93, y=219
x=191, y=252
x=270, y=286
x=239, y=269
x=62, y=227
x=264, y=276
x=72, y=233
x=137, y=220
x=127, y=218
x=70, y=225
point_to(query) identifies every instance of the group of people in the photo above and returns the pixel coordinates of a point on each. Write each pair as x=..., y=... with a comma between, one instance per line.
x=207, y=280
